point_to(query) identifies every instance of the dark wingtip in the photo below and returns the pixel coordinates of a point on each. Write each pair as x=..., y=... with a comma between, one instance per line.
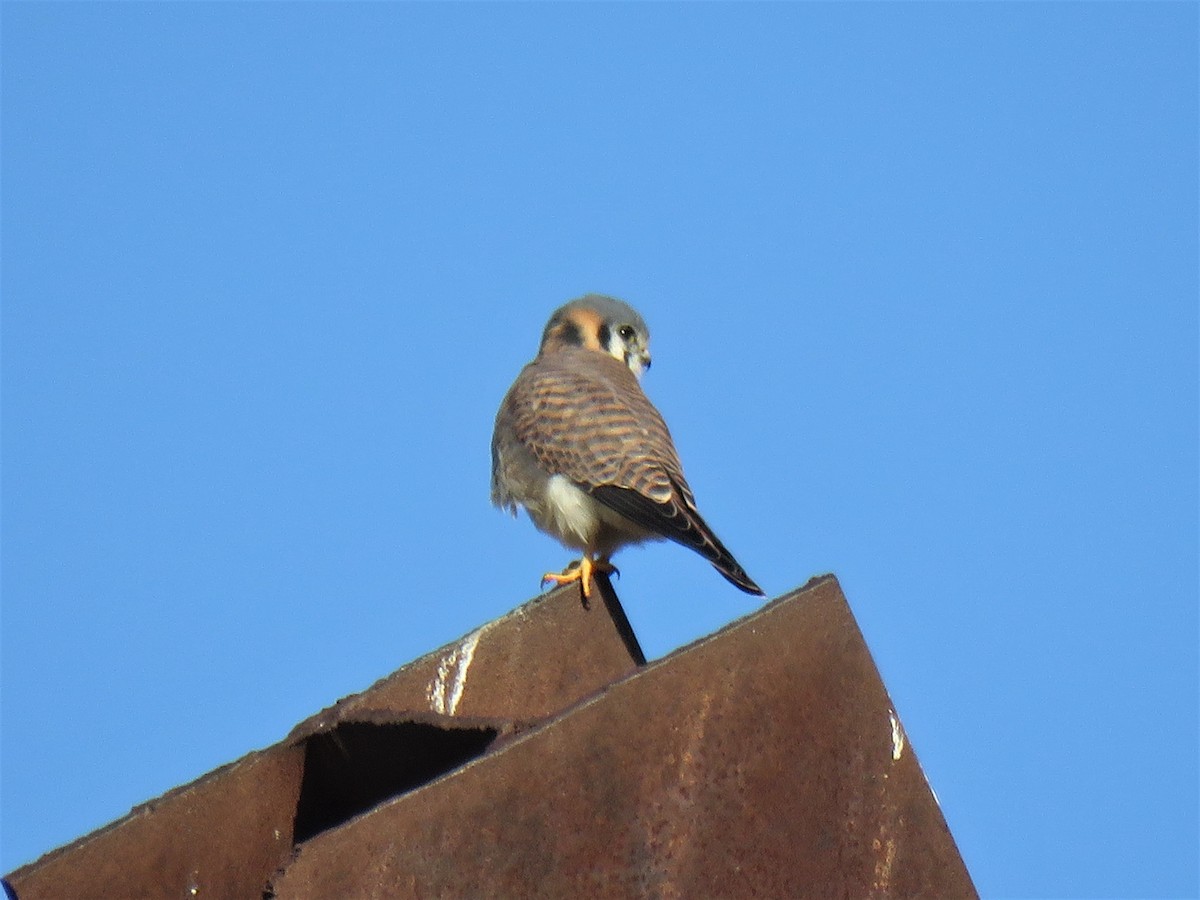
x=739, y=579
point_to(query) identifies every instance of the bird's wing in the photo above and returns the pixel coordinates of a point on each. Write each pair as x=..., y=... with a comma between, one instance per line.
x=679, y=522
x=583, y=415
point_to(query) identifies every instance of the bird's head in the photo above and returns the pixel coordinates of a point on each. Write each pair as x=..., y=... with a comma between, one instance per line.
x=603, y=324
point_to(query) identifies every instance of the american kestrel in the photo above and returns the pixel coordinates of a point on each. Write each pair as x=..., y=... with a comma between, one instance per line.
x=579, y=445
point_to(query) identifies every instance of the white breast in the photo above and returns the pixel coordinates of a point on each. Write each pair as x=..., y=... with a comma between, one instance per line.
x=569, y=513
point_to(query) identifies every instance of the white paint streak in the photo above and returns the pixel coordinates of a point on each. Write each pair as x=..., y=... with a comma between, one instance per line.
x=446, y=689
x=897, y=737
x=886, y=850
x=470, y=642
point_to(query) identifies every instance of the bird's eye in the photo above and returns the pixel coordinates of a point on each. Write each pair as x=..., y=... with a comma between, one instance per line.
x=626, y=332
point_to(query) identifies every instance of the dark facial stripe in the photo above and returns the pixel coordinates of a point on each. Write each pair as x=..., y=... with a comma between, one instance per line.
x=605, y=336
x=570, y=333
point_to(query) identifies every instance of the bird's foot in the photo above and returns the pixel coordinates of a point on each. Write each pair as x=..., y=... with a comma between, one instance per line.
x=582, y=570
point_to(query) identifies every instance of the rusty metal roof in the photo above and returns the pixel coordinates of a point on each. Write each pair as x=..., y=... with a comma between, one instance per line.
x=538, y=756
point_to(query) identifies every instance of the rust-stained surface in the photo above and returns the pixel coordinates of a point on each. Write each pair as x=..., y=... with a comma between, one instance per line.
x=225, y=834
x=219, y=834
x=764, y=761
x=526, y=665
x=533, y=757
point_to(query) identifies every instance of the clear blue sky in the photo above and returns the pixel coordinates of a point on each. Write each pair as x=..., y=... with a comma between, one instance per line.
x=922, y=281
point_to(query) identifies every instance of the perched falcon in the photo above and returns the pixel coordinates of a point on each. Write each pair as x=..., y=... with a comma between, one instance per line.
x=578, y=444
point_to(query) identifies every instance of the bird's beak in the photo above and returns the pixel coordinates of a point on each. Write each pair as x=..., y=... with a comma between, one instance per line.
x=638, y=361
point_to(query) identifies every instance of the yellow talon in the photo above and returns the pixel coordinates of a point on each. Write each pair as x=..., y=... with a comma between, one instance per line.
x=581, y=571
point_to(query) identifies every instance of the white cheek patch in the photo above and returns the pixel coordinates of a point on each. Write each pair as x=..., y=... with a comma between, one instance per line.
x=572, y=510
x=627, y=356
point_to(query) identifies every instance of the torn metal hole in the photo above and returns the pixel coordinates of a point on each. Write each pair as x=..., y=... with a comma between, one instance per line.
x=359, y=765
